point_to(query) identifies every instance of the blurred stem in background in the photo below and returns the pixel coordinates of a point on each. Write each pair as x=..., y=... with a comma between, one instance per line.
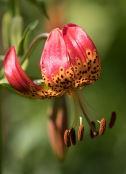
x=0, y=131
x=57, y=124
x=56, y=12
x=17, y=7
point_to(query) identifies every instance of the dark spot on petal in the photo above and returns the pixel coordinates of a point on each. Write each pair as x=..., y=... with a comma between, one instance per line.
x=89, y=68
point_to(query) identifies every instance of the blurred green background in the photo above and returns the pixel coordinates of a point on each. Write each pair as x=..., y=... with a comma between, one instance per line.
x=26, y=148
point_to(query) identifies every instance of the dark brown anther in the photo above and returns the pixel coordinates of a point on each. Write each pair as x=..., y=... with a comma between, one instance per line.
x=92, y=134
x=73, y=136
x=112, y=120
x=67, y=138
x=80, y=132
x=102, y=126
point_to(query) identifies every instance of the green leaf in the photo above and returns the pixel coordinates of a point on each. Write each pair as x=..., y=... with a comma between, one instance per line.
x=25, y=64
x=8, y=87
x=41, y=5
x=24, y=40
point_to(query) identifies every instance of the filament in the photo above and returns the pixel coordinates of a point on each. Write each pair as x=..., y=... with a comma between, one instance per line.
x=84, y=112
x=79, y=91
x=76, y=109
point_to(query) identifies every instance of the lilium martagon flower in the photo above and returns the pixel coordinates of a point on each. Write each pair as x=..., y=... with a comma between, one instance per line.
x=69, y=62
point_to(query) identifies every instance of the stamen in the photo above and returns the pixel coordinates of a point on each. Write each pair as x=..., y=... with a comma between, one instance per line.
x=91, y=132
x=76, y=108
x=85, y=101
x=80, y=132
x=67, y=138
x=102, y=126
x=84, y=112
x=112, y=120
x=73, y=136
x=99, y=121
x=95, y=133
x=80, y=120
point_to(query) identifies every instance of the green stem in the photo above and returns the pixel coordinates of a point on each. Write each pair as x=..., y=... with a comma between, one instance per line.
x=17, y=7
x=32, y=45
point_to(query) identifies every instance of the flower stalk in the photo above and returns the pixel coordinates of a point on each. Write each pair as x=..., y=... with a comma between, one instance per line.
x=32, y=45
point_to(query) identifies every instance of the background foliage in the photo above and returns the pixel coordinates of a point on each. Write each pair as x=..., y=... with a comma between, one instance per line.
x=26, y=148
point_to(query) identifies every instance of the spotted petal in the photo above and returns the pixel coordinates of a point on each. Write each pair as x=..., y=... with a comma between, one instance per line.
x=56, y=68
x=19, y=80
x=83, y=54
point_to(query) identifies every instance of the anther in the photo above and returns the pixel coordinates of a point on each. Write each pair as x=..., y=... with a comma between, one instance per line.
x=93, y=134
x=67, y=138
x=112, y=120
x=73, y=136
x=80, y=132
x=102, y=126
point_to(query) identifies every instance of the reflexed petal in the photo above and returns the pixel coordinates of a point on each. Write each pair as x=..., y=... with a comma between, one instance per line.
x=55, y=66
x=83, y=54
x=19, y=80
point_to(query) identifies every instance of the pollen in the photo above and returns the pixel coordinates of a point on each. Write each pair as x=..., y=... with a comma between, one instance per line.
x=80, y=132
x=73, y=136
x=102, y=126
x=67, y=138
x=112, y=120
